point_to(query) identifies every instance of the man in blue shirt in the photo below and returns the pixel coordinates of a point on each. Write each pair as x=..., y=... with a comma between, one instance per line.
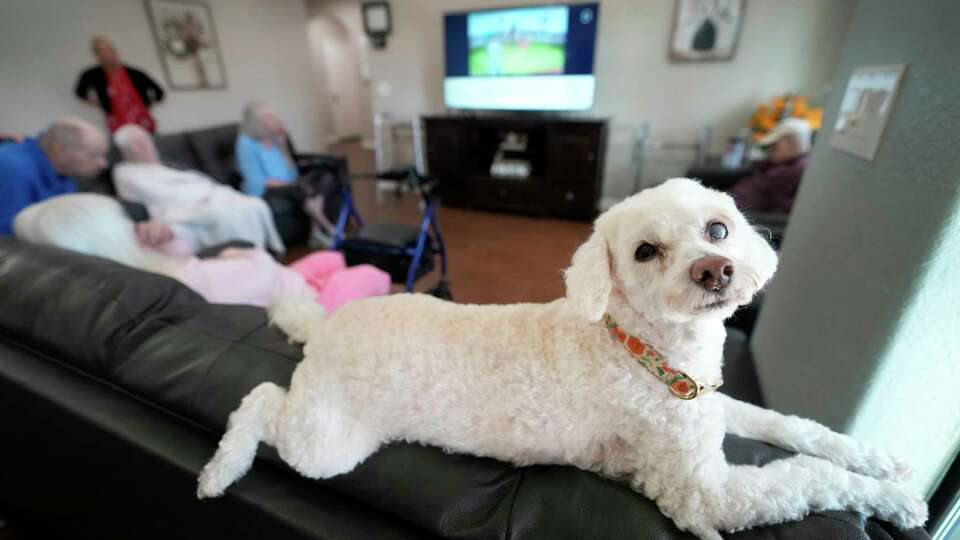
x=37, y=169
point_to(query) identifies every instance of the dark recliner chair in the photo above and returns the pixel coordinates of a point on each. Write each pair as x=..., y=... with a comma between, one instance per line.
x=115, y=386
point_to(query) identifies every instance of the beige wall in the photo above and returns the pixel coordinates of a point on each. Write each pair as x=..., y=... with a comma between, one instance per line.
x=44, y=46
x=786, y=45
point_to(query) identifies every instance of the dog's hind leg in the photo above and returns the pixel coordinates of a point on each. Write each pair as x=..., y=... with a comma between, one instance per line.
x=252, y=422
x=320, y=441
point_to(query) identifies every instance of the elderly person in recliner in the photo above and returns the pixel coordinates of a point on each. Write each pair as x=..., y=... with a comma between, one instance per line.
x=773, y=185
x=265, y=161
x=201, y=211
x=32, y=170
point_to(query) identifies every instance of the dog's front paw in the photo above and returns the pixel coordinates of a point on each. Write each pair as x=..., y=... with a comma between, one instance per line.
x=881, y=464
x=865, y=459
x=904, y=510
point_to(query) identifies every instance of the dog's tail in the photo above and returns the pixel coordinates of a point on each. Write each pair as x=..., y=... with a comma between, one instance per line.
x=254, y=421
x=296, y=311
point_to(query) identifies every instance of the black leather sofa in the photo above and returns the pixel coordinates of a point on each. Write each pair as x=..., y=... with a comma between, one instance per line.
x=211, y=150
x=115, y=386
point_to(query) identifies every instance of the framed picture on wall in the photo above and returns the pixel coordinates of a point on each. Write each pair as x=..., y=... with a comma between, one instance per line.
x=706, y=30
x=187, y=44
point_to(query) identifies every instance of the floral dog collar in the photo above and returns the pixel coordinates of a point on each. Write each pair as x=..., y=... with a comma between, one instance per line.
x=680, y=384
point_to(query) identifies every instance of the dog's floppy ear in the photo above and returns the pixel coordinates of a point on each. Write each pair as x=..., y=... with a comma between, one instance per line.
x=588, y=278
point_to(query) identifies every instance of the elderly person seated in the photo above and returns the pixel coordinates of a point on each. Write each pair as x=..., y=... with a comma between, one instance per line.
x=266, y=164
x=32, y=170
x=200, y=211
x=97, y=225
x=774, y=182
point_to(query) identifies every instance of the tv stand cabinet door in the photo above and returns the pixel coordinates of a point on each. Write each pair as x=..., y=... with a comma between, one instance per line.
x=575, y=154
x=445, y=146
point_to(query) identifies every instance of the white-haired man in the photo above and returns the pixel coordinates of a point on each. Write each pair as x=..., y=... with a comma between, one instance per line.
x=200, y=210
x=773, y=185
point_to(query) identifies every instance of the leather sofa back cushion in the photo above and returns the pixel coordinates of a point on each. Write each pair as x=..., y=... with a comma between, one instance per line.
x=215, y=150
x=176, y=150
x=146, y=333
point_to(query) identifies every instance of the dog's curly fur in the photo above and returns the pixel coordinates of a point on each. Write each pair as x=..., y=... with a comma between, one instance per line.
x=532, y=383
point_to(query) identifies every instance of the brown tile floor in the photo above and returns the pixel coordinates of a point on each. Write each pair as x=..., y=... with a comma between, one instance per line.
x=493, y=258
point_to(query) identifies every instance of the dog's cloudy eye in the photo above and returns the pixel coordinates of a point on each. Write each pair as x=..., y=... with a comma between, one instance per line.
x=717, y=230
x=645, y=252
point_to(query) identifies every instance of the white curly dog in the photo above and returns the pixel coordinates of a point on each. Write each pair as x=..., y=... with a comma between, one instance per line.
x=568, y=382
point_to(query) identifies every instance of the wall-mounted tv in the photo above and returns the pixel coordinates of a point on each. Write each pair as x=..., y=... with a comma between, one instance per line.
x=536, y=58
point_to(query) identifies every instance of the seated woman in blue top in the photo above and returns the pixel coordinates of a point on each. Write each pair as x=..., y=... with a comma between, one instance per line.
x=264, y=160
x=262, y=152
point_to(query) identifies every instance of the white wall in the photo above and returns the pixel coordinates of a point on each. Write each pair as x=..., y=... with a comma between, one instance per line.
x=785, y=45
x=45, y=45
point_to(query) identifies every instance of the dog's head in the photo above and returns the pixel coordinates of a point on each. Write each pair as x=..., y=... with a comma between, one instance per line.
x=675, y=252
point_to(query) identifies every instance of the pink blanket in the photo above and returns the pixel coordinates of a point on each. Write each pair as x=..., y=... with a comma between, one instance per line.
x=251, y=276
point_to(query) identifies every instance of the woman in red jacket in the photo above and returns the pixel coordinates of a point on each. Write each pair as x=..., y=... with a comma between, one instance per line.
x=124, y=93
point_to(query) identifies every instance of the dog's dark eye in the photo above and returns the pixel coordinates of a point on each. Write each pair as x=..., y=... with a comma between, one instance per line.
x=645, y=252
x=717, y=230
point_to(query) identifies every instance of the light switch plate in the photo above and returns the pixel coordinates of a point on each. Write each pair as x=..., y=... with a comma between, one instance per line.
x=865, y=109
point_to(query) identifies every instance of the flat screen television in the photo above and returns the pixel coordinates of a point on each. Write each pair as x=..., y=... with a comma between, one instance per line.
x=536, y=58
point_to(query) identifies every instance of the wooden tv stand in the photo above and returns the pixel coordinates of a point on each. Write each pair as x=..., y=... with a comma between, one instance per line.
x=565, y=158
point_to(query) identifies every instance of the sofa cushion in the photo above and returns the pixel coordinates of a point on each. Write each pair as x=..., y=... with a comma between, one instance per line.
x=214, y=148
x=175, y=150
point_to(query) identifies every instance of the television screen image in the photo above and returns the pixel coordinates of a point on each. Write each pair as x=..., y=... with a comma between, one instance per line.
x=518, y=41
x=535, y=58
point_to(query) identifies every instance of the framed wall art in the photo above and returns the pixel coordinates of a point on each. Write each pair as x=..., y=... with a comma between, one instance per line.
x=187, y=44
x=706, y=30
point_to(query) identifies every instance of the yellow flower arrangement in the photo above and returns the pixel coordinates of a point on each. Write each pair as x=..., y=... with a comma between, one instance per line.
x=770, y=114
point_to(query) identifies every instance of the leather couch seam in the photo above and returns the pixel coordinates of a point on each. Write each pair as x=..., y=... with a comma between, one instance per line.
x=236, y=341
x=513, y=503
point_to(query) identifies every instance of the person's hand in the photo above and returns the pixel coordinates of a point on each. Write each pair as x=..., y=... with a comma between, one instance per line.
x=153, y=234
x=276, y=183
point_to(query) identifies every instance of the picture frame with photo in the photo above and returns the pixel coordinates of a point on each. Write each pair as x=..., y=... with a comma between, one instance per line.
x=706, y=30
x=187, y=44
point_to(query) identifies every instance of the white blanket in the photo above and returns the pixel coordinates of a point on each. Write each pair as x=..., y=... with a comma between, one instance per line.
x=201, y=211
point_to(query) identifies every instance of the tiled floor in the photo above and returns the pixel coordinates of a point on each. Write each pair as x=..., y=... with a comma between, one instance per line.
x=493, y=258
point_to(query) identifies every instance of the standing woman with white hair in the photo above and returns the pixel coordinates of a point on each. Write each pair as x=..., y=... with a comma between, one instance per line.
x=263, y=157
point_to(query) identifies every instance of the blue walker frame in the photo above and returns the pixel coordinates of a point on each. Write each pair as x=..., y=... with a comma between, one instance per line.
x=428, y=225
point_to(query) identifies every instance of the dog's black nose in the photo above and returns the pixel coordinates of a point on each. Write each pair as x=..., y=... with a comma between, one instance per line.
x=713, y=273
